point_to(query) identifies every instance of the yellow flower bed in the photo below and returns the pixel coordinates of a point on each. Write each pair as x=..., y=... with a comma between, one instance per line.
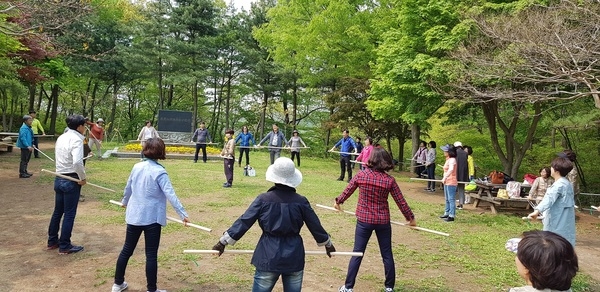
x=174, y=149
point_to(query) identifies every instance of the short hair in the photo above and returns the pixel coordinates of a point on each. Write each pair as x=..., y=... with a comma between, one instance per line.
x=32, y=112
x=422, y=143
x=229, y=131
x=569, y=154
x=370, y=140
x=358, y=138
x=547, y=169
x=550, y=259
x=346, y=131
x=202, y=123
x=26, y=118
x=432, y=144
x=468, y=149
x=154, y=148
x=451, y=151
x=148, y=122
x=562, y=165
x=380, y=160
x=74, y=121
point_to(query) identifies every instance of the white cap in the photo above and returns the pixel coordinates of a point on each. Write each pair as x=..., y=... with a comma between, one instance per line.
x=457, y=144
x=100, y=120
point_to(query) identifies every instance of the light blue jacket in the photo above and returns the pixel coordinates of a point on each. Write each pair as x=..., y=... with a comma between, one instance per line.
x=25, y=137
x=560, y=203
x=146, y=194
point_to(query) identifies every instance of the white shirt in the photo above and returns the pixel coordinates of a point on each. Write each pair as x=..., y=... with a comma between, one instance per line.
x=69, y=153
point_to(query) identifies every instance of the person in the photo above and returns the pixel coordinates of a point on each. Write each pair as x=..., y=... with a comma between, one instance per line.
x=201, y=136
x=359, y=148
x=228, y=154
x=462, y=172
x=245, y=137
x=147, y=132
x=546, y=261
x=420, y=158
x=294, y=143
x=145, y=199
x=450, y=182
x=346, y=145
x=573, y=174
x=86, y=147
x=540, y=185
x=69, y=162
x=471, y=167
x=373, y=214
x=276, y=142
x=25, y=143
x=430, y=166
x=97, y=135
x=37, y=128
x=281, y=212
x=364, y=155
x=559, y=202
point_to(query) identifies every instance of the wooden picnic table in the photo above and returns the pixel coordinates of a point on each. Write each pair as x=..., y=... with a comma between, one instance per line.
x=487, y=192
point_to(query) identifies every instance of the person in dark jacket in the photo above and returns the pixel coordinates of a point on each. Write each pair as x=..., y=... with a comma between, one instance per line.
x=462, y=172
x=281, y=213
x=201, y=135
x=276, y=142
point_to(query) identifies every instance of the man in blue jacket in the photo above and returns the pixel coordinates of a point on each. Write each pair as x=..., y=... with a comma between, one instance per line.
x=25, y=142
x=276, y=142
x=346, y=145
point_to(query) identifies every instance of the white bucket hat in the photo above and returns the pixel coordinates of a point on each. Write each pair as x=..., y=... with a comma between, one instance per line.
x=284, y=172
x=457, y=144
x=100, y=120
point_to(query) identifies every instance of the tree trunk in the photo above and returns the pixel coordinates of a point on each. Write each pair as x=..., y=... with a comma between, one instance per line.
x=53, y=115
x=195, y=109
x=32, y=91
x=415, y=133
x=113, y=110
x=295, y=101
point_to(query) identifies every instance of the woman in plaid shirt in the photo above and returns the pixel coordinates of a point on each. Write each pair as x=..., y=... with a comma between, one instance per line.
x=373, y=214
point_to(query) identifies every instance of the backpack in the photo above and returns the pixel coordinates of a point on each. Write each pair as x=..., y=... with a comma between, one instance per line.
x=497, y=177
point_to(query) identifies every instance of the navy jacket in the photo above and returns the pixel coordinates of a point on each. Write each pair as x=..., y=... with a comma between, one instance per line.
x=281, y=213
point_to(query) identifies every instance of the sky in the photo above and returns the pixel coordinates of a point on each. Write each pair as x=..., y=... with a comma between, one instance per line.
x=241, y=3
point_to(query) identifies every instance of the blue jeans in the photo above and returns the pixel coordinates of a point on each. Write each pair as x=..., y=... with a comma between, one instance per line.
x=274, y=154
x=450, y=195
x=361, y=238
x=152, y=240
x=66, y=200
x=265, y=281
x=431, y=175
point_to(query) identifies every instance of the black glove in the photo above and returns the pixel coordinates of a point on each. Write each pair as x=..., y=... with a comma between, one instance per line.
x=220, y=247
x=330, y=249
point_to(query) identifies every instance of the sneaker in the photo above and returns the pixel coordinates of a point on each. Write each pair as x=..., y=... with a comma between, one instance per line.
x=449, y=219
x=119, y=288
x=427, y=190
x=227, y=185
x=444, y=216
x=157, y=290
x=459, y=207
x=432, y=190
x=52, y=246
x=389, y=289
x=73, y=249
x=344, y=289
x=340, y=178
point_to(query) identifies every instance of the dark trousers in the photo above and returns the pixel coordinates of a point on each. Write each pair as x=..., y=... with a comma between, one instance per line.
x=228, y=167
x=296, y=154
x=419, y=170
x=66, y=200
x=25, y=157
x=152, y=240
x=274, y=154
x=384, y=239
x=198, y=147
x=345, y=166
x=431, y=175
x=242, y=151
x=36, y=153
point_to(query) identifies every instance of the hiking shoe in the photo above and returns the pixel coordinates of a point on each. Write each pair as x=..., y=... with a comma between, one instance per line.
x=449, y=219
x=344, y=289
x=73, y=249
x=119, y=288
x=444, y=216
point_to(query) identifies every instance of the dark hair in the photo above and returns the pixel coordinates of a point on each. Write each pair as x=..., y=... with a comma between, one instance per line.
x=370, y=140
x=380, y=160
x=422, y=143
x=562, y=165
x=547, y=169
x=358, y=138
x=550, y=259
x=148, y=122
x=32, y=112
x=451, y=151
x=468, y=149
x=569, y=154
x=202, y=123
x=154, y=149
x=432, y=144
x=74, y=121
x=245, y=127
x=346, y=130
x=229, y=131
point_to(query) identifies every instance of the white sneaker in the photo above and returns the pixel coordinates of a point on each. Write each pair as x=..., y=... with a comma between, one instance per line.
x=389, y=289
x=119, y=288
x=344, y=289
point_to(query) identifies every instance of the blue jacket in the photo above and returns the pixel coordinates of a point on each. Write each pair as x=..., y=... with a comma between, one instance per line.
x=559, y=201
x=246, y=138
x=346, y=145
x=280, y=213
x=25, y=137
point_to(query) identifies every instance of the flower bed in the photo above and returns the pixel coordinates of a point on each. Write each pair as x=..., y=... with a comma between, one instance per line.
x=136, y=147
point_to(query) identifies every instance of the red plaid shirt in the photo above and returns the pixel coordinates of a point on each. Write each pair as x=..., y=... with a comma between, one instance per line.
x=374, y=187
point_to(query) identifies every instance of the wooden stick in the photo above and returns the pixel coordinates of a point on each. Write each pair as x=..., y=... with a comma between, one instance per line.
x=42, y=153
x=170, y=218
x=393, y=222
x=76, y=180
x=249, y=251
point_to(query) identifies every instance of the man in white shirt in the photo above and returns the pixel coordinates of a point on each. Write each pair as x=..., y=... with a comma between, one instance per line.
x=69, y=162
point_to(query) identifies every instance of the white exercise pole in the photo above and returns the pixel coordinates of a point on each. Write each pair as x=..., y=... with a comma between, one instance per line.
x=42, y=153
x=392, y=222
x=170, y=218
x=437, y=180
x=249, y=251
x=7, y=144
x=76, y=180
x=595, y=208
x=226, y=157
x=359, y=162
x=349, y=153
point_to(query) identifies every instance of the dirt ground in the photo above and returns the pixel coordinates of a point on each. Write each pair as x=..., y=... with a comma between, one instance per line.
x=27, y=266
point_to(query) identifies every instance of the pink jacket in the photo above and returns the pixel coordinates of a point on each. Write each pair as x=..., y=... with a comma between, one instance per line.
x=364, y=154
